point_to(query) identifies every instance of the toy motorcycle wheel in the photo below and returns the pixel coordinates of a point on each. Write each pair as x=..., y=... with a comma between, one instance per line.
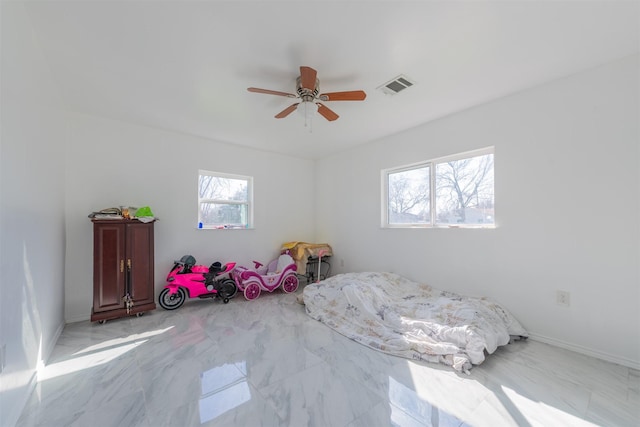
x=290, y=283
x=252, y=291
x=228, y=290
x=172, y=302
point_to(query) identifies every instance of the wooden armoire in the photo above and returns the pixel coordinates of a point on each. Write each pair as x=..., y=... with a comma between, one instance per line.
x=123, y=282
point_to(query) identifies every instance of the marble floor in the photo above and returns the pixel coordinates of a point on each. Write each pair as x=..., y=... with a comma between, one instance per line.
x=266, y=363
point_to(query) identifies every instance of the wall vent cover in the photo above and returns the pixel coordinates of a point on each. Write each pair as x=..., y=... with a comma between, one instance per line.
x=396, y=85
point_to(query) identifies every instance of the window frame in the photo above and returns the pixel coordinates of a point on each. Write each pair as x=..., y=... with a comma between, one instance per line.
x=248, y=203
x=432, y=165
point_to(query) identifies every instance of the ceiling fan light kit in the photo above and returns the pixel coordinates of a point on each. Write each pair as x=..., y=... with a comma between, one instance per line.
x=307, y=109
x=307, y=92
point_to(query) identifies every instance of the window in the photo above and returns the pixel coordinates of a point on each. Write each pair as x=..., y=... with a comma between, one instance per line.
x=409, y=196
x=224, y=200
x=451, y=191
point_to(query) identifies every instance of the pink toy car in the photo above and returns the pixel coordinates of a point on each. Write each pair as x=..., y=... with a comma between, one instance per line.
x=281, y=271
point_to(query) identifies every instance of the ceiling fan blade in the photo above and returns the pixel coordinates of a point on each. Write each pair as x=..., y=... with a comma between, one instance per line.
x=308, y=78
x=284, y=113
x=352, y=95
x=270, y=92
x=327, y=113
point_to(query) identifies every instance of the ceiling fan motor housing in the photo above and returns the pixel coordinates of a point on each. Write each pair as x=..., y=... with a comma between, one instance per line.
x=306, y=94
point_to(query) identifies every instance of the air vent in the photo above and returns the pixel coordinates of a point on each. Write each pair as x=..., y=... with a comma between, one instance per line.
x=396, y=85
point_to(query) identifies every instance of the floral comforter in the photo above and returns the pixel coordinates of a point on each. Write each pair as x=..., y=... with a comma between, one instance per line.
x=392, y=314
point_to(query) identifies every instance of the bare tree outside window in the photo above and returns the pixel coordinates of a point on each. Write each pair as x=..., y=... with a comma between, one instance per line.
x=463, y=192
x=409, y=196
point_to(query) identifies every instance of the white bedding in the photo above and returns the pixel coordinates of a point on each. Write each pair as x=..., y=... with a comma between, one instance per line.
x=394, y=315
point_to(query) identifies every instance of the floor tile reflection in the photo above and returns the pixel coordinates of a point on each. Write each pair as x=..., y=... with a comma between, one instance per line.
x=266, y=363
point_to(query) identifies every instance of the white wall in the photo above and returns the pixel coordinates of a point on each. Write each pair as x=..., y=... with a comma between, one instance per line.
x=32, y=233
x=112, y=163
x=567, y=202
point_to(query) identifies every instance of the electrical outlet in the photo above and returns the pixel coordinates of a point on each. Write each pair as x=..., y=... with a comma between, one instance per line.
x=563, y=298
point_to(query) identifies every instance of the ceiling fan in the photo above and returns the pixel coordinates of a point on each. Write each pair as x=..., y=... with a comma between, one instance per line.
x=307, y=91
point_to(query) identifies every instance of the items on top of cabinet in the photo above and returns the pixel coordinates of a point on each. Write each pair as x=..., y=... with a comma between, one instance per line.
x=143, y=214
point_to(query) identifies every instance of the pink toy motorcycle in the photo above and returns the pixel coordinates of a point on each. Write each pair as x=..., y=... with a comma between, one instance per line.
x=281, y=271
x=188, y=280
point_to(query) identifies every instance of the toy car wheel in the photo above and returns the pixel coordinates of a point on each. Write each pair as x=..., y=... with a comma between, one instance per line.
x=252, y=291
x=172, y=302
x=290, y=283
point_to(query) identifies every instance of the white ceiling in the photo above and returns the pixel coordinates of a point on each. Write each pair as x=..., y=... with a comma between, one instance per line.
x=185, y=66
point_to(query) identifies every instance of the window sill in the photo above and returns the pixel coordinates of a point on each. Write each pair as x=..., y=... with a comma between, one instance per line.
x=442, y=226
x=224, y=228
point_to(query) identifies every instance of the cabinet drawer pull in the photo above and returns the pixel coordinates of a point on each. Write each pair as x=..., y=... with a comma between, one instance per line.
x=121, y=266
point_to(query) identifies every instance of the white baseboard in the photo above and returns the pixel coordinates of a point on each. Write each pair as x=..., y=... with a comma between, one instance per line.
x=587, y=351
x=75, y=319
x=54, y=341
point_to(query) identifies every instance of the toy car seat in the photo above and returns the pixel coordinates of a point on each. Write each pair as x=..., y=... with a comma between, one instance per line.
x=280, y=264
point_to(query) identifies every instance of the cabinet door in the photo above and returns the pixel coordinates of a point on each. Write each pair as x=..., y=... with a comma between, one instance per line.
x=108, y=267
x=140, y=262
